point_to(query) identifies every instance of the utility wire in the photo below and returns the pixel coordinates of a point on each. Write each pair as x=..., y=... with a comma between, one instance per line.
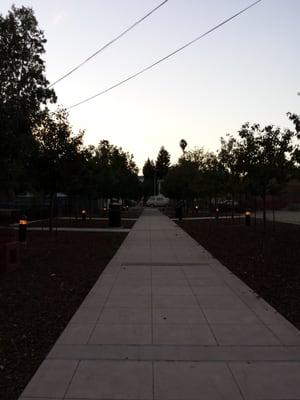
x=109, y=43
x=166, y=57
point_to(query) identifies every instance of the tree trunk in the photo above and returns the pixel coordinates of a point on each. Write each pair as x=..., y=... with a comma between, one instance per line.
x=232, y=205
x=51, y=212
x=264, y=211
x=273, y=212
x=255, y=210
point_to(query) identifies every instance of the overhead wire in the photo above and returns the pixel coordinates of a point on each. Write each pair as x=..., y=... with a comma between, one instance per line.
x=167, y=56
x=108, y=44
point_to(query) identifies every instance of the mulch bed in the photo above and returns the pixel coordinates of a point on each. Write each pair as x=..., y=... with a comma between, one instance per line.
x=193, y=213
x=130, y=213
x=38, y=300
x=267, y=262
x=79, y=223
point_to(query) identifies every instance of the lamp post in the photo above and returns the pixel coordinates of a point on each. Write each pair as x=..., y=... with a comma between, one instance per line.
x=247, y=218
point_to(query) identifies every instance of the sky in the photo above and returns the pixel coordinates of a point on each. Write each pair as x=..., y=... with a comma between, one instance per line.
x=248, y=70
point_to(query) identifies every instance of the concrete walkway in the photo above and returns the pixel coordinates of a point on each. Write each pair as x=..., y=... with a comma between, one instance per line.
x=167, y=321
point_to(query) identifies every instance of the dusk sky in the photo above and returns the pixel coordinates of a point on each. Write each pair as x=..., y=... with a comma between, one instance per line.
x=248, y=70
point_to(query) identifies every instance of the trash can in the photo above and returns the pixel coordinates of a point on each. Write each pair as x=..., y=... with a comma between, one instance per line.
x=179, y=210
x=114, y=215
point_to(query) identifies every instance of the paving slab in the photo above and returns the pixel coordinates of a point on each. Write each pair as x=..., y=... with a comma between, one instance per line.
x=265, y=380
x=52, y=379
x=166, y=320
x=194, y=381
x=122, y=334
x=176, y=353
x=112, y=380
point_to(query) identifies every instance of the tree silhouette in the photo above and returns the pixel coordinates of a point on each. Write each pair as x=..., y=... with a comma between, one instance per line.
x=149, y=178
x=23, y=89
x=265, y=158
x=162, y=163
x=113, y=172
x=229, y=159
x=58, y=155
x=182, y=181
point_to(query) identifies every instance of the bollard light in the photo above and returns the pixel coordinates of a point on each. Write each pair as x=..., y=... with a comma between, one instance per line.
x=197, y=209
x=217, y=213
x=83, y=215
x=247, y=218
x=23, y=229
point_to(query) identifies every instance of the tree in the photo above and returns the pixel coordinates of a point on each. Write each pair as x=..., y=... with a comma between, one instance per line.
x=229, y=159
x=296, y=121
x=196, y=155
x=265, y=158
x=162, y=163
x=182, y=181
x=58, y=156
x=296, y=153
x=211, y=173
x=23, y=89
x=198, y=174
x=113, y=172
x=149, y=178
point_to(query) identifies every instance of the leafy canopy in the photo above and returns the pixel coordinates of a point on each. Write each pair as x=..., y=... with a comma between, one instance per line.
x=23, y=90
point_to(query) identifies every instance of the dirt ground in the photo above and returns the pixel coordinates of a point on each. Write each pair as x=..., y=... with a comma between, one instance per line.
x=79, y=223
x=267, y=262
x=133, y=212
x=38, y=300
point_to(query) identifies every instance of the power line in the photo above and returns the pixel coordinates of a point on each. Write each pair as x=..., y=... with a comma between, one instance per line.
x=108, y=44
x=166, y=57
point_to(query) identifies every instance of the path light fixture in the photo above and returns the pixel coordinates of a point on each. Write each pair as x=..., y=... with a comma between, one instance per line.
x=247, y=218
x=83, y=215
x=23, y=229
x=217, y=213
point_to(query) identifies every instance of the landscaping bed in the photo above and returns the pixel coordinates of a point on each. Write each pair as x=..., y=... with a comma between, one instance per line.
x=36, y=302
x=132, y=212
x=267, y=262
x=79, y=223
